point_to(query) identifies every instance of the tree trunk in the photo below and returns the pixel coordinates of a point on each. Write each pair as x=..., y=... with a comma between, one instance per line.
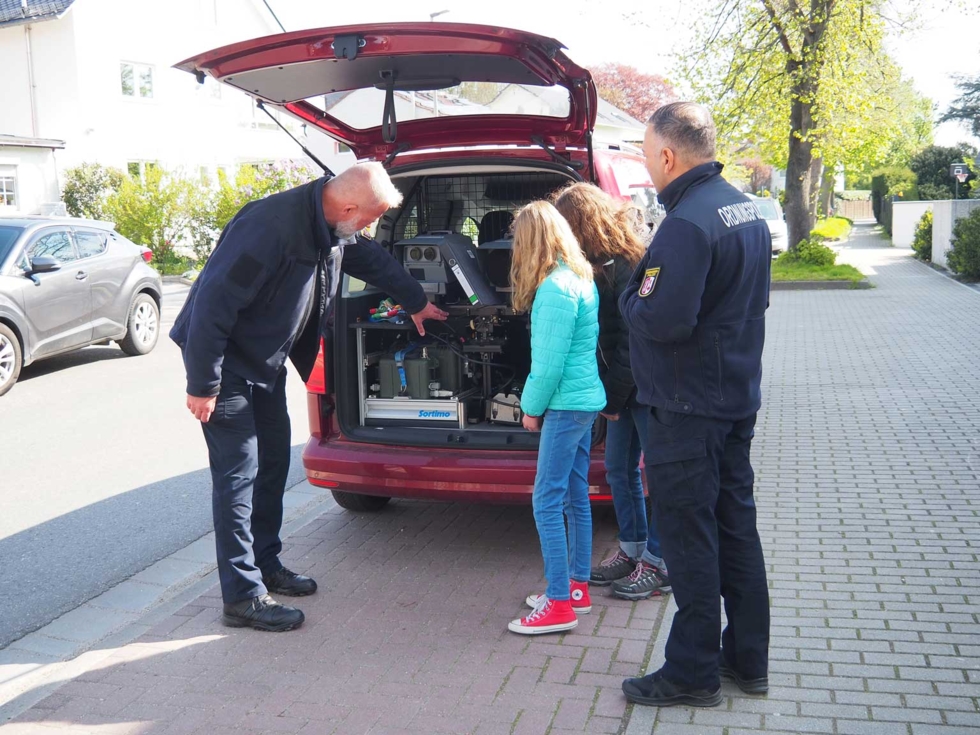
x=815, y=178
x=827, y=190
x=799, y=221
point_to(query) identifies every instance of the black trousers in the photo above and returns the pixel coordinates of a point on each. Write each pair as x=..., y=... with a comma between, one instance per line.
x=248, y=440
x=701, y=479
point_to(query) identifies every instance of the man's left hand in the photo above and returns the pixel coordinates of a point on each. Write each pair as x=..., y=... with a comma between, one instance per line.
x=431, y=311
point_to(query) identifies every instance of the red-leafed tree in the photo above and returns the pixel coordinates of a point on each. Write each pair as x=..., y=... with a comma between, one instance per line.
x=760, y=174
x=631, y=90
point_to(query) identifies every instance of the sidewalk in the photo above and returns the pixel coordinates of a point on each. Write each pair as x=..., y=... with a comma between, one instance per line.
x=868, y=484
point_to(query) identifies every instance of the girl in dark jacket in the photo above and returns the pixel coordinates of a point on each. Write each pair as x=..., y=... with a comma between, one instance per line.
x=611, y=240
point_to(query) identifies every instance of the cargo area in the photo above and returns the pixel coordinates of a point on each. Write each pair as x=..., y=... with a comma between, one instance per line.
x=461, y=383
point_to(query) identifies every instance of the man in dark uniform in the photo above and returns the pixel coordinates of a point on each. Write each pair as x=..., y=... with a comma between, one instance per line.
x=262, y=297
x=696, y=314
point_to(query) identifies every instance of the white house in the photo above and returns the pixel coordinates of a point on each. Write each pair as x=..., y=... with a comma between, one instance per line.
x=98, y=75
x=29, y=176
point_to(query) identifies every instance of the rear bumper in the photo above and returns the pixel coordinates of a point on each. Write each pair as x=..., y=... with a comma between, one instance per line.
x=432, y=474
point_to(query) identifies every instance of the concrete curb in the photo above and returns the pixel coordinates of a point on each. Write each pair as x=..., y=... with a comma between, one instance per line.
x=32, y=667
x=820, y=285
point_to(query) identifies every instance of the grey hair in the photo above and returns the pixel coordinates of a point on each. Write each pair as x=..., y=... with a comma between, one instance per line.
x=687, y=128
x=366, y=184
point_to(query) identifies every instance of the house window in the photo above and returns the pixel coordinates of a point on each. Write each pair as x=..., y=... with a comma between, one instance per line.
x=136, y=80
x=139, y=169
x=8, y=187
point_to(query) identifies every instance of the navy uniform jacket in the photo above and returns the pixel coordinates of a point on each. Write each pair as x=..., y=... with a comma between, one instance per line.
x=267, y=287
x=697, y=302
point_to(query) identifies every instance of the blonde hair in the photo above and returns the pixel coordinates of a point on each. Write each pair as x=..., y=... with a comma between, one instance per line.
x=542, y=240
x=605, y=228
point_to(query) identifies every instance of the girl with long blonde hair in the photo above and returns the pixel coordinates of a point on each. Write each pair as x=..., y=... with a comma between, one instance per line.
x=608, y=234
x=561, y=398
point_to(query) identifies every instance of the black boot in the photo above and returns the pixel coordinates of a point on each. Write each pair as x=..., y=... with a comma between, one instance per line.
x=262, y=613
x=656, y=691
x=749, y=686
x=285, y=582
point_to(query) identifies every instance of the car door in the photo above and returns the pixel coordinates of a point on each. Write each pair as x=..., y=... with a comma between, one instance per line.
x=106, y=264
x=60, y=303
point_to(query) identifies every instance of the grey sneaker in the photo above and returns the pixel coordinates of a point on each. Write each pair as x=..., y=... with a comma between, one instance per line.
x=609, y=570
x=645, y=581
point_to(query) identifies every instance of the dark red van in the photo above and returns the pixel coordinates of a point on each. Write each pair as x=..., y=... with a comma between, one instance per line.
x=472, y=122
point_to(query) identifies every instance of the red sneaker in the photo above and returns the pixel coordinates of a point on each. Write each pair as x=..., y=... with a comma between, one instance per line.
x=581, y=602
x=550, y=616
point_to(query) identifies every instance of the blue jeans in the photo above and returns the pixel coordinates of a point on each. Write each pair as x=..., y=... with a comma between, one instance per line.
x=562, y=485
x=638, y=536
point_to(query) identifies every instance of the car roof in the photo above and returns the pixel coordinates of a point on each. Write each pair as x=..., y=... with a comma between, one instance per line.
x=38, y=221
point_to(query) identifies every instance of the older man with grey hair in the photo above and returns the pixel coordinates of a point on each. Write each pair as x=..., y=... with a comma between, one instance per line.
x=696, y=314
x=264, y=296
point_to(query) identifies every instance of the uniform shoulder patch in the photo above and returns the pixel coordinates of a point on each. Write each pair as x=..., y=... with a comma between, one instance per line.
x=650, y=278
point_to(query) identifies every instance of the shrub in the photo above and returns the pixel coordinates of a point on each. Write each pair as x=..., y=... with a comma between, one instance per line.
x=964, y=258
x=922, y=243
x=892, y=181
x=88, y=186
x=832, y=228
x=154, y=212
x=811, y=252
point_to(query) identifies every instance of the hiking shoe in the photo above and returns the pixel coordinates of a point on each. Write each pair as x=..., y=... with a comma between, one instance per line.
x=581, y=602
x=749, y=686
x=609, y=570
x=645, y=581
x=550, y=616
x=291, y=584
x=654, y=690
x=262, y=613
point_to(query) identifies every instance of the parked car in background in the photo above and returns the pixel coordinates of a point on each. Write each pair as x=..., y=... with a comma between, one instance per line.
x=68, y=283
x=773, y=213
x=392, y=415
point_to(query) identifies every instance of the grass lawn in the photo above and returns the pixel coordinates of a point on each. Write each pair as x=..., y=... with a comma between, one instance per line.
x=832, y=228
x=788, y=271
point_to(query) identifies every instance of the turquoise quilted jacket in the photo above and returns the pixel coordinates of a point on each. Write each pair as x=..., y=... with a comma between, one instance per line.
x=564, y=331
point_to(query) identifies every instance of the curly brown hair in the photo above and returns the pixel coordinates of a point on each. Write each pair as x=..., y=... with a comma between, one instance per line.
x=604, y=228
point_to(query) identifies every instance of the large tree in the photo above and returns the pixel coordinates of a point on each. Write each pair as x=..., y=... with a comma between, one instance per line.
x=802, y=81
x=631, y=90
x=966, y=107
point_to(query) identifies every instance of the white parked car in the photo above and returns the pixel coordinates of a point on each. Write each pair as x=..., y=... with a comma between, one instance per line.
x=774, y=218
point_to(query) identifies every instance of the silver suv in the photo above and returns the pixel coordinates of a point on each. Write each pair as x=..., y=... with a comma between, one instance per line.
x=68, y=283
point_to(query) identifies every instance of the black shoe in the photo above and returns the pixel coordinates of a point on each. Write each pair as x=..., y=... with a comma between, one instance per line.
x=291, y=584
x=262, y=613
x=656, y=691
x=749, y=686
x=645, y=581
x=611, y=569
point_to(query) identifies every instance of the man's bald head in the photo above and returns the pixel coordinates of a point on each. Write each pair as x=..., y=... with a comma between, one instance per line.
x=358, y=197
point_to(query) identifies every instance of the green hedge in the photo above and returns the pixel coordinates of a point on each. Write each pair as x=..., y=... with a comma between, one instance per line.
x=964, y=258
x=922, y=243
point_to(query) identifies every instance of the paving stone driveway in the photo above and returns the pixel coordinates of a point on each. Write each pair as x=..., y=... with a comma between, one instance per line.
x=868, y=462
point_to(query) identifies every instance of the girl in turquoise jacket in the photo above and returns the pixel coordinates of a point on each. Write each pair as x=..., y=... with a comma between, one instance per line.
x=561, y=399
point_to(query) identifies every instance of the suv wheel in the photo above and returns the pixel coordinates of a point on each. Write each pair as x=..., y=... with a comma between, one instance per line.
x=143, y=327
x=11, y=359
x=359, y=503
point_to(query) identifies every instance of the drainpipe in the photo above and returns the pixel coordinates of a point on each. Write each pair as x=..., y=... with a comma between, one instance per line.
x=30, y=80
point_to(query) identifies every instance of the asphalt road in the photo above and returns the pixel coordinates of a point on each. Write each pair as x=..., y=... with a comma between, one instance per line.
x=102, y=472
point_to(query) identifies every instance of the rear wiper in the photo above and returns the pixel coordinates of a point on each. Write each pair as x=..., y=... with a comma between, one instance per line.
x=317, y=161
x=555, y=155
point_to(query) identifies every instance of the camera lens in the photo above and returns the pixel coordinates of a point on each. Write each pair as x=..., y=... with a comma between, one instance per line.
x=430, y=253
x=415, y=254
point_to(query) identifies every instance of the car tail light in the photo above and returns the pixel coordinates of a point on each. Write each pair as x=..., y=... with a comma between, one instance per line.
x=147, y=255
x=318, y=378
